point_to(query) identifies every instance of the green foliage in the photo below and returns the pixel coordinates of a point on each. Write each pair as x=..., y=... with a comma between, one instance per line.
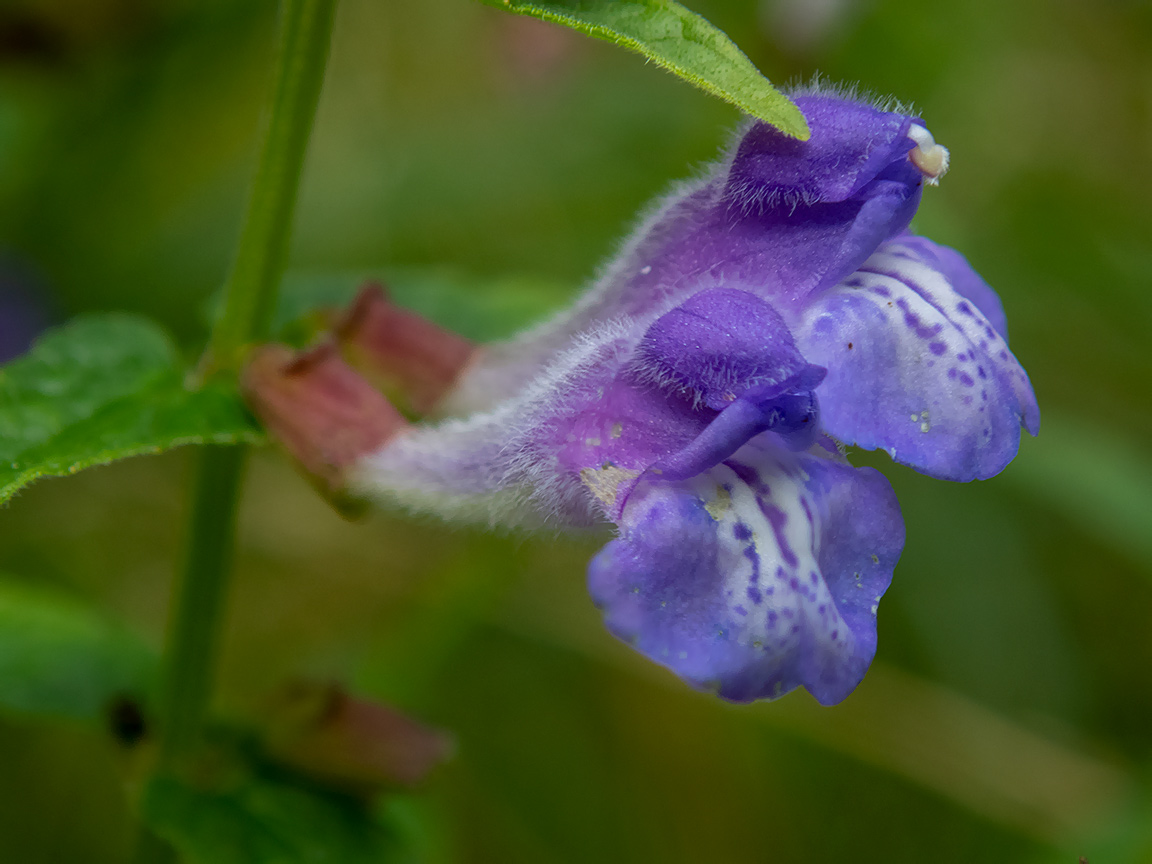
x=58, y=658
x=103, y=388
x=682, y=42
x=266, y=820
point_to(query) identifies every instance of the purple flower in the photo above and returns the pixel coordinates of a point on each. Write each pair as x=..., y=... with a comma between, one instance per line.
x=698, y=396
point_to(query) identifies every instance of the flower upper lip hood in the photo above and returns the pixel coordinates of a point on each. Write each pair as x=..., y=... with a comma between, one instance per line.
x=696, y=396
x=852, y=146
x=790, y=217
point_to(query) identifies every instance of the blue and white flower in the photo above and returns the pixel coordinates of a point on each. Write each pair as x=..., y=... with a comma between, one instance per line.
x=699, y=396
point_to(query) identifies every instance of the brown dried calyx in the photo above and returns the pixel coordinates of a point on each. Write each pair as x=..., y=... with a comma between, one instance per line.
x=325, y=405
x=321, y=730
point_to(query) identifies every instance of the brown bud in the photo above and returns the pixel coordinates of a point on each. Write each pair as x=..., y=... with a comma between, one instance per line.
x=399, y=350
x=324, y=413
x=321, y=730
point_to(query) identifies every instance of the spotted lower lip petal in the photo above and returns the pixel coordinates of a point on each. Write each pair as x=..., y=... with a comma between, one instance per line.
x=758, y=576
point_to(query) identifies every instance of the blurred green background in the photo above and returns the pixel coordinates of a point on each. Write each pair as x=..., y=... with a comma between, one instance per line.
x=1008, y=717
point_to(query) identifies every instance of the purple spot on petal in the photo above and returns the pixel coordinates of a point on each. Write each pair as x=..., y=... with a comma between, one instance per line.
x=963, y=308
x=913, y=321
x=752, y=555
x=937, y=348
x=953, y=372
x=966, y=379
x=807, y=511
x=748, y=476
x=778, y=518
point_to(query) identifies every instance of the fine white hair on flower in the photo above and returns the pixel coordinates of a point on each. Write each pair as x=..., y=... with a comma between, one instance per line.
x=818, y=85
x=509, y=477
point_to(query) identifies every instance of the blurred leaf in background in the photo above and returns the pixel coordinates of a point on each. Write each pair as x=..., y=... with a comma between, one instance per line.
x=460, y=144
x=483, y=310
x=58, y=659
x=262, y=820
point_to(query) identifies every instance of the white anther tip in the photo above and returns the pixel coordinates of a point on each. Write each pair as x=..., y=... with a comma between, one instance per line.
x=928, y=156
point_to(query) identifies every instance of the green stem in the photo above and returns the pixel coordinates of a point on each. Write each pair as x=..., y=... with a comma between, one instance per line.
x=305, y=33
x=250, y=292
x=193, y=641
x=197, y=612
x=249, y=300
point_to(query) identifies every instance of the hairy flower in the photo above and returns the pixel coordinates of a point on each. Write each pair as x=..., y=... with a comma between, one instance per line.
x=697, y=396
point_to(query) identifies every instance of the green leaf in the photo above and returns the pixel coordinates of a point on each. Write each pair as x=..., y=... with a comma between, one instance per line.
x=480, y=309
x=682, y=42
x=58, y=658
x=262, y=820
x=103, y=388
